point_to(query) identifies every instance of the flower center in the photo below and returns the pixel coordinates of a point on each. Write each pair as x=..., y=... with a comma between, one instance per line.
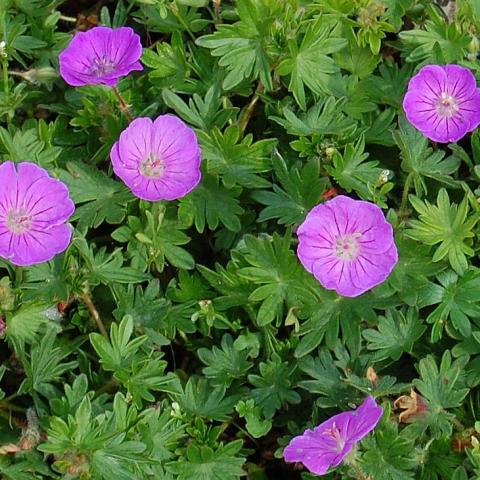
x=18, y=221
x=102, y=66
x=334, y=433
x=152, y=167
x=347, y=246
x=446, y=105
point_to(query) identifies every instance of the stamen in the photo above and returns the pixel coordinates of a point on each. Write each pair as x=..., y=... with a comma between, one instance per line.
x=446, y=105
x=18, y=221
x=152, y=167
x=347, y=246
x=102, y=66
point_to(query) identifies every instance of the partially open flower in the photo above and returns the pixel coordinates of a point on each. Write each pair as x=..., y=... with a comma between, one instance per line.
x=329, y=443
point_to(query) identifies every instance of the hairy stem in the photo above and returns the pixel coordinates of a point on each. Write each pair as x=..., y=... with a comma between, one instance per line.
x=248, y=112
x=5, y=80
x=123, y=105
x=182, y=22
x=94, y=312
x=406, y=189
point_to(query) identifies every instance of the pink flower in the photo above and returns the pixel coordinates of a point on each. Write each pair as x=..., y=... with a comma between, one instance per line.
x=443, y=102
x=101, y=55
x=329, y=443
x=34, y=209
x=347, y=245
x=158, y=160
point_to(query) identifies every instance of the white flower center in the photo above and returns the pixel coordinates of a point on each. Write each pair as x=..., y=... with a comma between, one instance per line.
x=18, y=221
x=446, y=105
x=347, y=246
x=102, y=66
x=152, y=167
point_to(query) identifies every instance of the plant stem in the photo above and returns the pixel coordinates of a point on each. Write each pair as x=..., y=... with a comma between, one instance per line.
x=93, y=311
x=9, y=406
x=248, y=112
x=123, y=105
x=358, y=471
x=182, y=22
x=5, y=80
x=406, y=189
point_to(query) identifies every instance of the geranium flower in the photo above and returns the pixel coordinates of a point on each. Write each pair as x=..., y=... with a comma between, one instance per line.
x=329, y=443
x=33, y=210
x=347, y=245
x=158, y=160
x=443, y=102
x=101, y=55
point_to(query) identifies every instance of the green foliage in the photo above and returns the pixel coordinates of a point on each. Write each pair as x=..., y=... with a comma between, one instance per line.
x=184, y=339
x=306, y=65
x=396, y=333
x=447, y=224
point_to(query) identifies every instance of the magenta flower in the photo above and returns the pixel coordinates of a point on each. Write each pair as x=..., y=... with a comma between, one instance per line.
x=100, y=55
x=347, y=245
x=443, y=102
x=33, y=210
x=158, y=160
x=329, y=443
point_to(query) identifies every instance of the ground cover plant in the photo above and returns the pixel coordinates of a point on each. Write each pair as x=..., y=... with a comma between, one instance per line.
x=239, y=239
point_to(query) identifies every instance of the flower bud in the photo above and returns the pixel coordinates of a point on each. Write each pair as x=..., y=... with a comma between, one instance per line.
x=473, y=48
x=40, y=75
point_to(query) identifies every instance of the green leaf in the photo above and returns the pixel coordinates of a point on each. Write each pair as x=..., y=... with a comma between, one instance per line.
x=155, y=238
x=252, y=414
x=44, y=367
x=420, y=160
x=104, y=199
x=25, y=323
x=211, y=204
x=396, y=334
x=443, y=388
x=103, y=267
x=388, y=455
x=226, y=364
x=206, y=463
x=199, y=398
x=325, y=118
x=457, y=299
x=352, y=172
x=325, y=379
x=302, y=190
x=205, y=113
x=446, y=224
x=238, y=162
x=309, y=63
x=241, y=45
x=420, y=43
x=274, y=267
x=273, y=386
x=119, y=352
